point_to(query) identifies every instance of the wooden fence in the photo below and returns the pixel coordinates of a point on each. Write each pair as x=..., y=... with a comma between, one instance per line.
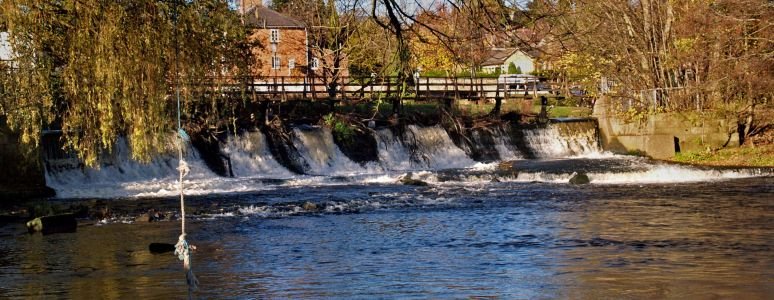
x=370, y=88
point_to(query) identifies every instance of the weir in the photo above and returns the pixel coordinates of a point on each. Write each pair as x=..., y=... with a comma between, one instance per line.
x=552, y=153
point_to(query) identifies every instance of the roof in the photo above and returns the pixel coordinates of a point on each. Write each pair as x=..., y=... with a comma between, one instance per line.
x=262, y=17
x=498, y=56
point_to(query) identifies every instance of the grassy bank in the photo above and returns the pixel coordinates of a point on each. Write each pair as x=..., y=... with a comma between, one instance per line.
x=758, y=156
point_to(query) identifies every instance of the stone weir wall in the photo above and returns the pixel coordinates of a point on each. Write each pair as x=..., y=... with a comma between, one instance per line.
x=662, y=135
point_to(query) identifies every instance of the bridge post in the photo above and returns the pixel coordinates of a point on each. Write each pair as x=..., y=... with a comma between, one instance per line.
x=313, y=88
x=304, y=88
x=284, y=92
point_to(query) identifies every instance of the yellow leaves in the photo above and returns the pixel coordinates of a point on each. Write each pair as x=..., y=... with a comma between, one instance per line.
x=113, y=67
x=684, y=44
x=581, y=65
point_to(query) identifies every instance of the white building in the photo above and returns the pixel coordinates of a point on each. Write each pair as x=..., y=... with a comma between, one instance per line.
x=5, y=47
x=501, y=58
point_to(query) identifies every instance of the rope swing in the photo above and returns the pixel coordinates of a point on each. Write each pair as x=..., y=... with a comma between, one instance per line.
x=182, y=248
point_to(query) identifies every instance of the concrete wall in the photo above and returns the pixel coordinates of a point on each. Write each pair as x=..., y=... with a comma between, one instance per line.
x=662, y=135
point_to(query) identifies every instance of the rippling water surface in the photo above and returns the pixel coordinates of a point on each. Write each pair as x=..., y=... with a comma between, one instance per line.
x=450, y=240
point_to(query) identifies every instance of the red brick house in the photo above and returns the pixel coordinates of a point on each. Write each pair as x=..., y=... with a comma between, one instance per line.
x=284, y=45
x=284, y=49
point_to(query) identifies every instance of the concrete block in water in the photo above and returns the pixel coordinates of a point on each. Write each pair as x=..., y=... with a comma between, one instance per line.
x=53, y=224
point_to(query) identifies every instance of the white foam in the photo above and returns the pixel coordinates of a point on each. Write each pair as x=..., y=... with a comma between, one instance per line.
x=250, y=157
x=432, y=153
x=436, y=149
x=393, y=155
x=550, y=143
x=670, y=174
x=654, y=174
x=121, y=176
x=322, y=155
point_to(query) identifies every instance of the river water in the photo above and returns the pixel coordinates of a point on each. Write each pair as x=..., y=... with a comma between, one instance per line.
x=640, y=229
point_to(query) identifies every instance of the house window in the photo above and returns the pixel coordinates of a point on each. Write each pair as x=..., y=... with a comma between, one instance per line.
x=315, y=63
x=291, y=63
x=275, y=62
x=274, y=36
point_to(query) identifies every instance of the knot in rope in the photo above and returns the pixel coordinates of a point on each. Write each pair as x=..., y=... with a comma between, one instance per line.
x=183, y=168
x=183, y=252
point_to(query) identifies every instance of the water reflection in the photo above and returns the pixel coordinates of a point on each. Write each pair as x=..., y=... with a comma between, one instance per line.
x=508, y=240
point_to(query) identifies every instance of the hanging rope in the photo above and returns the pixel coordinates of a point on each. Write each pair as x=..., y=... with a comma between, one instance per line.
x=182, y=248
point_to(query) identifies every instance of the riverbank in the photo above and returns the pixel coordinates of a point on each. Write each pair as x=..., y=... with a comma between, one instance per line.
x=746, y=156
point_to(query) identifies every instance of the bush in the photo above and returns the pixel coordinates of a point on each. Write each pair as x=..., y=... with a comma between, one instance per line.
x=339, y=128
x=512, y=69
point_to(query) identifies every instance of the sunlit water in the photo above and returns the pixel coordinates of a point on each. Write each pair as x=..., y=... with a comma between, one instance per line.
x=640, y=229
x=513, y=239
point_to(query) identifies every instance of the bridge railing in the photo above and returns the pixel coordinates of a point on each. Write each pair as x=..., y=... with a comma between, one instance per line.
x=363, y=88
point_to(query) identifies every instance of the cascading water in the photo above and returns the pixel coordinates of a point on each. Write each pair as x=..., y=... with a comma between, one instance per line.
x=250, y=156
x=504, y=145
x=429, y=153
x=120, y=176
x=393, y=156
x=434, y=149
x=316, y=146
x=551, y=142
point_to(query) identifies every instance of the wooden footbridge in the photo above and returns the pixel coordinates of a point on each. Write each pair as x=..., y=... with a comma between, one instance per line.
x=383, y=88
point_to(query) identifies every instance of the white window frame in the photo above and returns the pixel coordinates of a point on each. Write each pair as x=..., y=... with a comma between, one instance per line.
x=315, y=63
x=274, y=36
x=276, y=63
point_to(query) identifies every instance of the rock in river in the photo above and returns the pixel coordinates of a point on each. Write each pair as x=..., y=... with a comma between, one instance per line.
x=579, y=178
x=53, y=224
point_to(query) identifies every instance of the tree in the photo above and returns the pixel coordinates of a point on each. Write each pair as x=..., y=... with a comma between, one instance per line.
x=429, y=51
x=371, y=50
x=513, y=69
x=100, y=69
x=678, y=56
x=331, y=26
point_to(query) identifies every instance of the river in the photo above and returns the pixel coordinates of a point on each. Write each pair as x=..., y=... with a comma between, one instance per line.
x=640, y=229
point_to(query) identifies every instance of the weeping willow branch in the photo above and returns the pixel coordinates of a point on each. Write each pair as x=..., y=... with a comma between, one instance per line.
x=100, y=69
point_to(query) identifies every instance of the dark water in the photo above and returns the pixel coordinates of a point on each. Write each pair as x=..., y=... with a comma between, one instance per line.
x=510, y=240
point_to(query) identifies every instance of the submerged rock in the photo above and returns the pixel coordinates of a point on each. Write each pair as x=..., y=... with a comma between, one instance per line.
x=579, y=178
x=159, y=248
x=53, y=224
x=143, y=218
x=507, y=169
x=407, y=180
x=414, y=182
x=152, y=215
x=311, y=207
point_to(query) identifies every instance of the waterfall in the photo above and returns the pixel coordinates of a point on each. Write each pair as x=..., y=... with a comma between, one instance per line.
x=562, y=140
x=435, y=149
x=428, y=152
x=393, y=156
x=121, y=176
x=250, y=157
x=316, y=147
x=250, y=160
